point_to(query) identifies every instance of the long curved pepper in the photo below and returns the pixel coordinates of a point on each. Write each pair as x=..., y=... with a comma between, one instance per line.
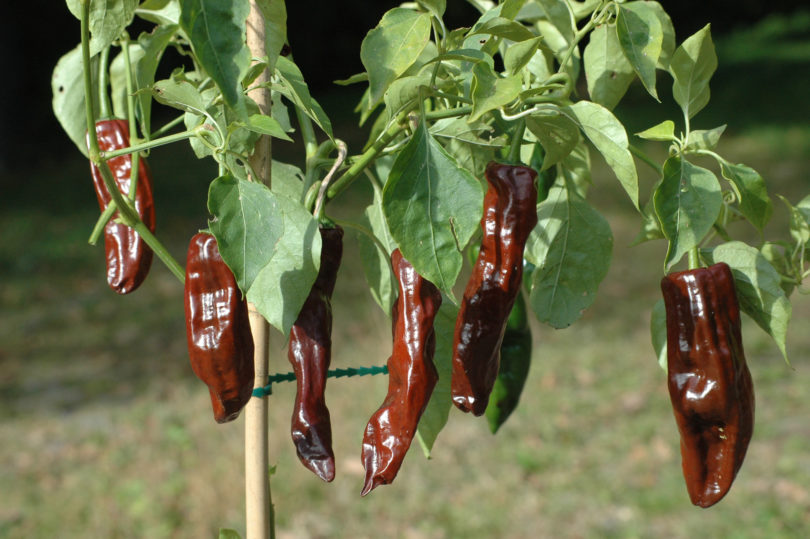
x=128, y=256
x=310, y=352
x=220, y=343
x=411, y=376
x=709, y=383
x=510, y=214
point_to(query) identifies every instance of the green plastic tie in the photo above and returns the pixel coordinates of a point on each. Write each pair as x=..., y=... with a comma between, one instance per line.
x=334, y=373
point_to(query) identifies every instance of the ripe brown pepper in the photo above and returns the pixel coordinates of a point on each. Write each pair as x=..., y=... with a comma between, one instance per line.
x=510, y=214
x=411, y=376
x=310, y=352
x=128, y=256
x=709, y=383
x=220, y=344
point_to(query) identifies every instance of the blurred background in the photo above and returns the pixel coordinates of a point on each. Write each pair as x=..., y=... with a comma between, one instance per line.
x=105, y=431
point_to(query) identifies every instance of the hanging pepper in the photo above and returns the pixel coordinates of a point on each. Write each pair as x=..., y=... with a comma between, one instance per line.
x=709, y=383
x=411, y=376
x=220, y=344
x=310, y=352
x=516, y=355
x=128, y=256
x=509, y=216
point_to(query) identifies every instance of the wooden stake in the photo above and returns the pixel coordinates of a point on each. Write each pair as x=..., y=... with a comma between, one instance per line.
x=259, y=519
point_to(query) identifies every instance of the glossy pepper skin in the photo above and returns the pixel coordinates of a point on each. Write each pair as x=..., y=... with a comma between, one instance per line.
x=128, y=256
x=516, y=356
x=411, y=376
x=709, y=383
x=310, y=352
x=220, y=344
x=509, y=216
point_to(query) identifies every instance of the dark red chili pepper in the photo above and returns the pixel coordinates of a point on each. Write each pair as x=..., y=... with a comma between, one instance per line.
x=128, y=256
x=509, y=216
x=411, y=376
x=709, y=383
x=310, y=352
x=220, y=344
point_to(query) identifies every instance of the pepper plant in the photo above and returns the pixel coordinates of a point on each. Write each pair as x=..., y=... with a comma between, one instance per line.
x=525, y=81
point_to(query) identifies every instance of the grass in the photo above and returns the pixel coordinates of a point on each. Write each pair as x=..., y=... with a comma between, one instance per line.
x=107, y=433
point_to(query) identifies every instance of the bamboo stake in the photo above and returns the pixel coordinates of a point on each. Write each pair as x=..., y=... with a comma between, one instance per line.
x=259, y=519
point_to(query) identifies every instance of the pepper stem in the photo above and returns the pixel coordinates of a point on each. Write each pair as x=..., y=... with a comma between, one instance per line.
x=694, y=258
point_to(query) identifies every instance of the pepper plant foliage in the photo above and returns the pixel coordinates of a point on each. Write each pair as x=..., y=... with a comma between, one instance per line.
x=442, y=102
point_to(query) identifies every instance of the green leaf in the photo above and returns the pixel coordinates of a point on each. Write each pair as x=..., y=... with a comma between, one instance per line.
x=160, y=11
x=609, y=137
x=664, y=131
x=658, y=332
x=692, y=66
x=687, y=203
x=758, y=288
x=668, y=33
x=502, y=27
x=294, y=88
x=804, y=209
x=559, y=14
x=354, y=79
x=180, y=95
x=391, y=47
x=432, y=207
x=67, y=84
x=558, y=135
x=776, y=254
x=799, y=228
x=404, y=91
x=559, y=46
x=571, y=247
x=641, y=37
x=287, y=180
x=607, y=70
x=755, y=204
x=376, y=264
x=434, y=418
x=702, y=139
x=275, y=28
x=266, y=125
x=145, y=55
x=108, y=18
x=216, y=29
x=436, y=7
x=490, y=92
x=575, y=169
x=270, y=242
x=227, y=533
x=650, y=227
x=518, y=55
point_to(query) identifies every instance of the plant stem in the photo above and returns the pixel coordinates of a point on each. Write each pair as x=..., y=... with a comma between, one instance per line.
x=168, y=126
x=101, y=223
x=128, y=214
x=646, y=159
x=103, y=83
x=133, y=128
x=259, y=512
x=517, y=142
x=154, y=143
x=694, y=258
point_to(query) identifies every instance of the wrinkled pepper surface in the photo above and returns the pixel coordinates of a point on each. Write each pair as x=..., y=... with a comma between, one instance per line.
x=509, y=216
x=516, y=356
x=310, y=352
x=220, y=344
x=709, y=383
x=411, y=376
x=128, y=256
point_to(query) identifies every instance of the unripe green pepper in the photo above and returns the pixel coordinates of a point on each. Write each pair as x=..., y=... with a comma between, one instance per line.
x=516, y=355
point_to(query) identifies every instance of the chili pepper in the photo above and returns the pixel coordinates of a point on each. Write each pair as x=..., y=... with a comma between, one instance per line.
x=128, y=256
x=516, y=355
x=709, y=383
x=310, y=352
x=509, y=216
x=220, y=344
x=411, y=376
